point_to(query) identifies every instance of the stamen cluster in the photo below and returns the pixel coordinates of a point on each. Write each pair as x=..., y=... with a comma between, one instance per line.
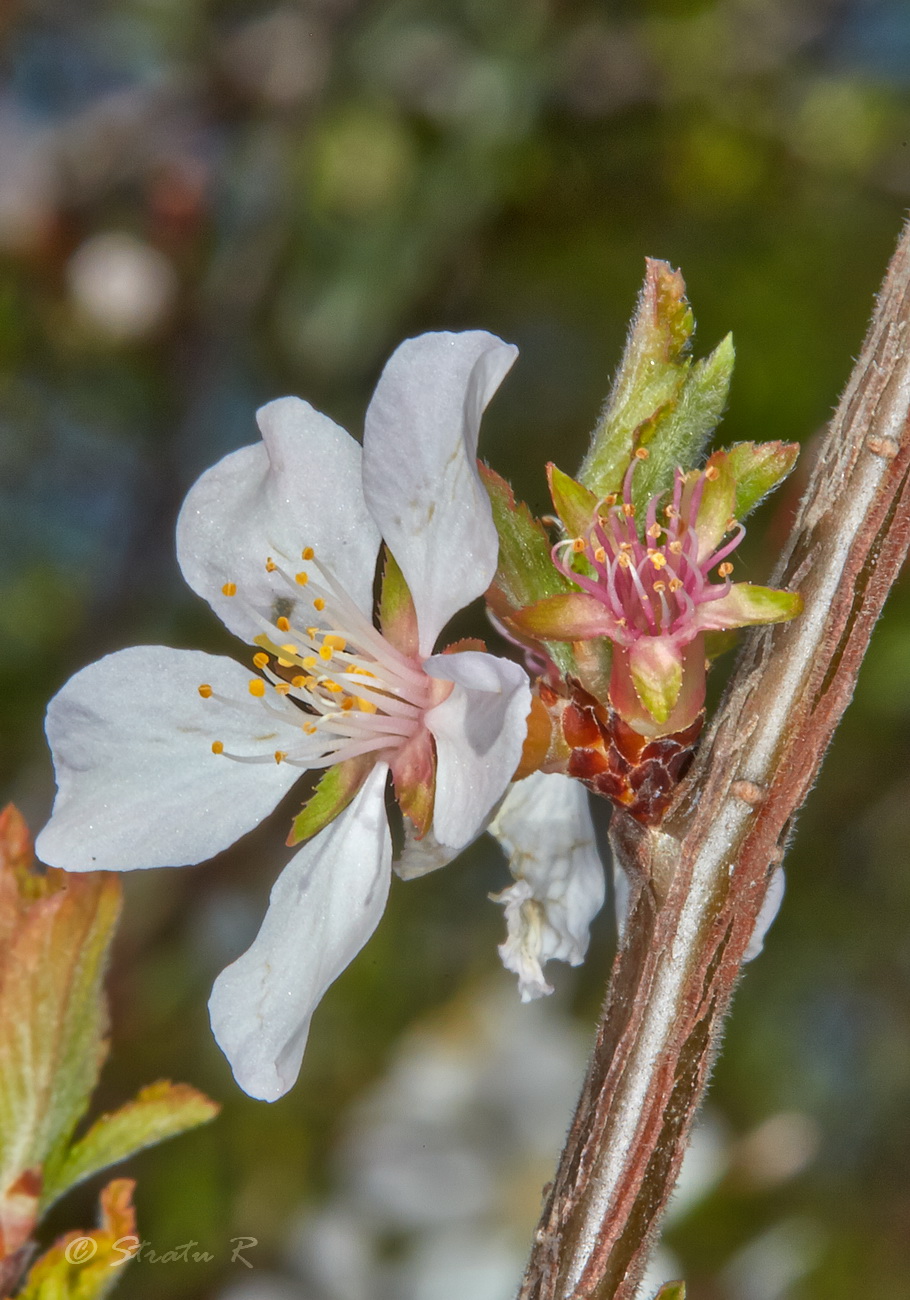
x=652, y=586
x=347, y=689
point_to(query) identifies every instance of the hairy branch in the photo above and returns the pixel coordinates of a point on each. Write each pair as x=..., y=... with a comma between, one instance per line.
x=700, y=878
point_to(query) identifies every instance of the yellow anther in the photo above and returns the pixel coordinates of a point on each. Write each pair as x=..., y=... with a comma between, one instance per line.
x=334, y=687
x=325, y=652
x=319, y=604
x=229, y=589
x=610, y=499
x=334, y=642
x=659, y=587
x=280, y=755
x=312, y=632
x=298, y=682
x=365, y=706
x=641, y=453
x=712, y=473
x=261, y=660
x=290, y=648
x=270, y=565
x=622, y=622
x=347, y=704
x=282, y=688
x=725, y=569
x=676, y=547
x=307, y=553
x=658, y=559
x=625, y=546
x=282, y=624
x=310, y=682
x=205, y=691
x=675, y=584
x=600, y=555
x=627, y=508
x=217, y=747
x=257, y=687
x=578, y=545
x=309, y=661
x=623, y=559
x=310, y=729
x=671, y=512
x=655, y=531
x=302, y=578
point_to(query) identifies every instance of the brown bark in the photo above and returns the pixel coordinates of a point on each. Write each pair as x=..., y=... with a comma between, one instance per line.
x=701, y=876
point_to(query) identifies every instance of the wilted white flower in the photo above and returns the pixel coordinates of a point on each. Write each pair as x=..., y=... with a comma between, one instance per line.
x=545, y=826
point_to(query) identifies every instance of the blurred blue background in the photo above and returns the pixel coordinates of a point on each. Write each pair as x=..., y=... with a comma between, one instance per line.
x=208, y=203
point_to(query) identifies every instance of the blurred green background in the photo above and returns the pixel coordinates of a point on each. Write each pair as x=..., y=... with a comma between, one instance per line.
x=207, y=204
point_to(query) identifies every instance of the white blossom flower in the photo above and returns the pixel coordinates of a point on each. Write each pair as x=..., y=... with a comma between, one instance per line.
x=545, y=826
x=165, y=757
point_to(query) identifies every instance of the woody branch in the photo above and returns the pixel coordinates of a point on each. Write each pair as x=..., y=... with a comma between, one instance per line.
x=700, y=877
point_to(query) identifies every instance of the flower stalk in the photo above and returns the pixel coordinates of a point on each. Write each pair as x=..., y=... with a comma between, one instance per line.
x=699, y=879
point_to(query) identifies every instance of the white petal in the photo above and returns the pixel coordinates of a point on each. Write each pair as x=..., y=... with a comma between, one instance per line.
x=300, y=486
x=138, y=784
x=419, y=857
x=480, y=730
x=323, y=908
x=545, y=826
x=766, y=914
x=420, y=469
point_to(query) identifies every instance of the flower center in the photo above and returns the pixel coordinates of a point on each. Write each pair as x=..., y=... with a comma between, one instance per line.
x=653, y=584
x=336, y=680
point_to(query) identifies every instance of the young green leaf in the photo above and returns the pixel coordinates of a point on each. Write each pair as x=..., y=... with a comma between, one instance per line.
x=160, y=1111
x=649, y=380
x=88, y=1265
x=56, y=929
x=681, y=433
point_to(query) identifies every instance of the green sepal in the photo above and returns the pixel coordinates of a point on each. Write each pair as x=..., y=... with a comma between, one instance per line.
x=414, y=780
x=573, y=502
x=758, y=468
x=573, y=616
x=681, y=432
x=672, y=1291
x=718, y=499
x=526, y=571
x=649, y=380
x=159, y=1111
x=397, y=615
x=334, y=791
x=593, y=664
x=656, y=668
